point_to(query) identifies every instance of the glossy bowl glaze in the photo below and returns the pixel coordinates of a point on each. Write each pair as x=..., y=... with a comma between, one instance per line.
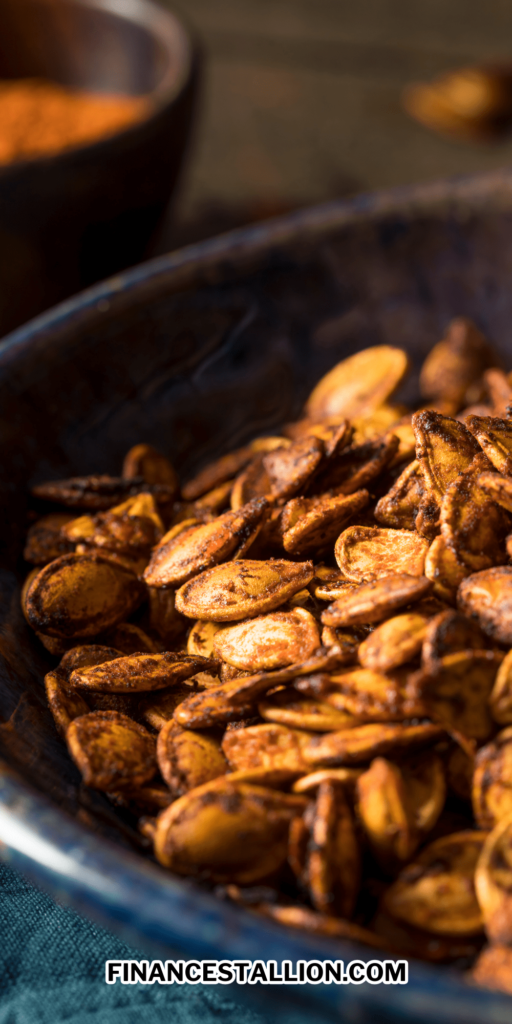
x=72, y=218
x=196, y=352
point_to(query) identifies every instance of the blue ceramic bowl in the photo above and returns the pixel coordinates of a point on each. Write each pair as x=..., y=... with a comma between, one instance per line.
x=195, y=352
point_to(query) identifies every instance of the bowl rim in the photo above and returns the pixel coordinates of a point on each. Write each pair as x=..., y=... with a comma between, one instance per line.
x=104, y=880
x=458, y=196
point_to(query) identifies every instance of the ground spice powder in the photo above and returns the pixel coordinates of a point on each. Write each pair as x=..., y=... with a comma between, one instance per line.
x=39, y=117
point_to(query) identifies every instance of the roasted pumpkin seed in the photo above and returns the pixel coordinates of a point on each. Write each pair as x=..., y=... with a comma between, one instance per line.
x=492, y=781
x=333, y=870
x=187, y=759
x=493, y=882
x=65, y=705
x=145, y=461
x=45, y=540
x=266, y=746
x=359, y=384
x=111, y=750
x=139, y=673
x=372, y=602
x=269, y=641
x=456, y=691
x=386, y=813
x=500, y=700
x=318, y=521
x=394, y=642
x=487, y=597
x=80, y=596
x=366, y=553
x=359, y=744
x=201, y=833
x=178, y=558
x=242, y=589
x=437, y=891
x=452, y=370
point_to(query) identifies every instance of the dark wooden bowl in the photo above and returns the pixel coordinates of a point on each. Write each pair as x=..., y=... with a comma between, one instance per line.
x=74, y=218
x=195, y=352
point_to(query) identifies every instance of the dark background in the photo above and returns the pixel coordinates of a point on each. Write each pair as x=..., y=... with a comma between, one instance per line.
x=301, y=102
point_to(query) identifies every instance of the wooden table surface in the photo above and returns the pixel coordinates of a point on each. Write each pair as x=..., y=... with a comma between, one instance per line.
x=301, y=102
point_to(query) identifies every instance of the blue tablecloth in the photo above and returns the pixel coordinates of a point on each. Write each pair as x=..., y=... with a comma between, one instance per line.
x=52, y=964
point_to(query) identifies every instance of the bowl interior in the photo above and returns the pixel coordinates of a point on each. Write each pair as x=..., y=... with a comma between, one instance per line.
x=131, y=46
x=197, y=352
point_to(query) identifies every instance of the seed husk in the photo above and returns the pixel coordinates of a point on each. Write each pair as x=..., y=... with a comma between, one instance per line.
x=159, y=707
x=321, y=924
x=216, y=473
x=436, y=892
x=494, y=436
x=444, y=448
x=361, y=743
x=487, y=597
x=269, y=641
x=65, y=705
x=394, y=642
x=456, y=692
x=187, y=759
x=346, y=641
x=199, y=834
x=235, y=698
x=145, y=461
x=492, y=781
x=500, y=701
x=446, y=633
x=80, y=596
x=444, y=569
x=45, y=541
x=266, y=746
x=242, y=589
x=179, y=558
x=367, y=695
x=366, y=553
x=498, y=487
x=97, y=493
x=493, y=882
x=111, y=750
x=290, y=468
x=355, y=468
x=454, y=366
x=473, y=526
x=287, y=707
x=333, y=862
x=201, y=637
x=343, y=776
x=400, y=506
x=139, y=673
x=320, y=521
x=372, y=602
x=359, y=384
x=386, y=813
x=130, y=529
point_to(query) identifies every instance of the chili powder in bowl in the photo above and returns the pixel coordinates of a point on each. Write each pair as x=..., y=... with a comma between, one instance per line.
x=96, y=105
x=41, y=118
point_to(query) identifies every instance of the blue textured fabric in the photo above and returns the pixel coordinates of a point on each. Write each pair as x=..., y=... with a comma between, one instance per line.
x=52, y=964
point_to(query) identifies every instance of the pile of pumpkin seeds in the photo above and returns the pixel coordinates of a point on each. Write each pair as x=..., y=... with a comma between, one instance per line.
x=295, y=668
